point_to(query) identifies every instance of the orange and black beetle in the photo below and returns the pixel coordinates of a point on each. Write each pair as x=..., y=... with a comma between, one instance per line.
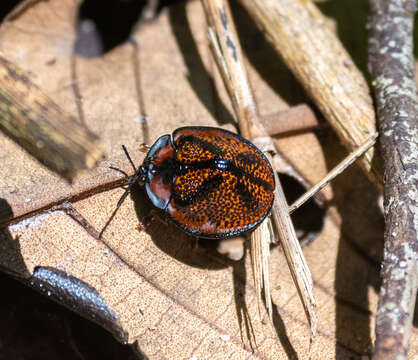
x=211, y=182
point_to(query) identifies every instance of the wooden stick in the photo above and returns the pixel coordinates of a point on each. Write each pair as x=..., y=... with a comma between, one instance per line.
x=35, y=122
x=312, y=51
x=337, y=170
x=228, y=54
x=392, y=68
x=296, y=260
x=294, y=119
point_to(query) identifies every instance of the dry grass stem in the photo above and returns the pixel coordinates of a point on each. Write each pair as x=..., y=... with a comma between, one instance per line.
x=294, y=256
x=228, y=54
x=337, y=170
x=260, y=252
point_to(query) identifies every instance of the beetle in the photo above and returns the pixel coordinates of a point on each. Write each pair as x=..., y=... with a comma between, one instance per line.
x=211, y=182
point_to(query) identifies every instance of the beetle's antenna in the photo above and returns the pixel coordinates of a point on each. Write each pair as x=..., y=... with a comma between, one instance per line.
x=129, y=158
x=131, y=181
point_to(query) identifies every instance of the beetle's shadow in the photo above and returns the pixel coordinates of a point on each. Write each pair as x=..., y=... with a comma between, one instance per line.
x=172, y=240
x=199, y=78
x=13, y=262
x=202, y=254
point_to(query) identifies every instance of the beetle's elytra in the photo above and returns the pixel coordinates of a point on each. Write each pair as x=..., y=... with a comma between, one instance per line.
x=211, y=182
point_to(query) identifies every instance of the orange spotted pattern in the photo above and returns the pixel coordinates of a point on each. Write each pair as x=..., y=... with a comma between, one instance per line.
x=225, y=184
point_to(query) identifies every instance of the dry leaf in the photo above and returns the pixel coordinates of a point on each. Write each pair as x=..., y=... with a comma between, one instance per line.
x=155, y=288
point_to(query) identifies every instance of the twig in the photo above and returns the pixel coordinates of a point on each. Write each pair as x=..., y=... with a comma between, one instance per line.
x=337, y=170
x=294, y=256
x=312, y=51
x=36, y=123
x=260, y=252
x=228, y=54
x=392, y=67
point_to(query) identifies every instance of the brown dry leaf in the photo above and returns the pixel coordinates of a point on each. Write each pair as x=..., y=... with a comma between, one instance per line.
x=154, y=287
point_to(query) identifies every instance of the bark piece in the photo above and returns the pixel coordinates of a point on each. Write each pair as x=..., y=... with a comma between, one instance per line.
x=392, y=68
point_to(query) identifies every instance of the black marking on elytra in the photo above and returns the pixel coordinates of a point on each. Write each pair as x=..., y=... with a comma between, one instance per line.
x=168, y=170
x=205, y=145
x=245, y=196
x=250, y=158
x=212, y=183
x=224, y=165
x=201, y=192
x=213, y=164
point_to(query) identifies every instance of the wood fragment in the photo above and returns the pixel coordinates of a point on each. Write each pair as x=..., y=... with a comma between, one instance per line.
x=294, y=256
x=310, y=48
x=35, y=122
x=296, y=118
x=260, y=250
x=391, y=61
x=228, y=55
